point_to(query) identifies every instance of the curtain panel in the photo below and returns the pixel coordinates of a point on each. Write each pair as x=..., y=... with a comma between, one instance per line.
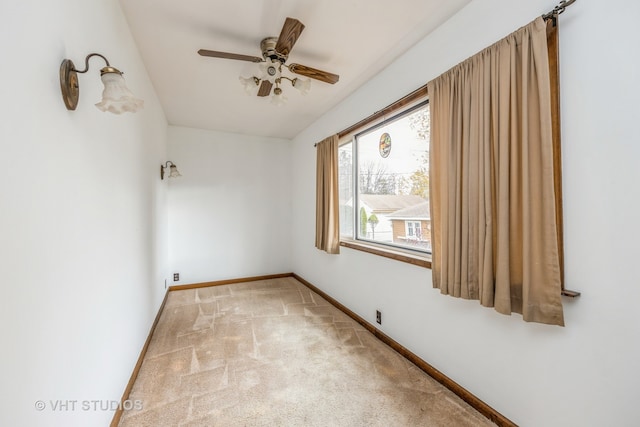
x=493, y=205
x=327, y=209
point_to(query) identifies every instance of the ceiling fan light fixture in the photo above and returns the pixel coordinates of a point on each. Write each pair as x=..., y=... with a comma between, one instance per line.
x=275, y=52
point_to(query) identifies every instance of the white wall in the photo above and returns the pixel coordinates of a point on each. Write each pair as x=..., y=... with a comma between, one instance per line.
x=587, y=373
x=82, y=214
x=230, y=212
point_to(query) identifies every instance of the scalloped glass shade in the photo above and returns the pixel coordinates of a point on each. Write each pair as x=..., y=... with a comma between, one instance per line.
x=303, y=85
x=173, y=172
x=279, y=99
x=116, y=97
x=250, y=85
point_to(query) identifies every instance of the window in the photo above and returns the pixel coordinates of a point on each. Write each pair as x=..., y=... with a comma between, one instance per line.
x=413, y=229
x=383, y=173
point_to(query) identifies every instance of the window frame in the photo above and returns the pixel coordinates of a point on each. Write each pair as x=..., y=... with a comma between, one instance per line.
x=403, y=106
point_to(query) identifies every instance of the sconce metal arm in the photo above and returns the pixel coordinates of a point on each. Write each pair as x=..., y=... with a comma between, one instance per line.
x=86, y=63
x=69, y=79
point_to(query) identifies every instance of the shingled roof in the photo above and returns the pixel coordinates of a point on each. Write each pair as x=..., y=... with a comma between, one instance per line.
x=419, y=211
x=387, y=203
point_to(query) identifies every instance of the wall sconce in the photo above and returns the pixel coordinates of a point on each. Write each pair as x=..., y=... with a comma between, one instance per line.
x=116, y=97
x=173, y=170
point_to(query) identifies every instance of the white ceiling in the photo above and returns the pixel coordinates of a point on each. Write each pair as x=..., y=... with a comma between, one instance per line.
x=353, y=38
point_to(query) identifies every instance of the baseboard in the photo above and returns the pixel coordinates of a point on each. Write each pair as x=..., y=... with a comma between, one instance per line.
x=473, y=401
x=127, y=391
x=468, y=397
x=228, y=282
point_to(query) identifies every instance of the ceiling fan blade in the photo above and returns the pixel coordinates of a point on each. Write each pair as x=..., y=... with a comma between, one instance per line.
x=314, y=73
x=288, y=36
x=226, y=55
x=265, y=88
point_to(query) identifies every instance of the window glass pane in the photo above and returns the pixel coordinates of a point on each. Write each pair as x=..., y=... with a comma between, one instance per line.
x=345, y=188
x=392, y=178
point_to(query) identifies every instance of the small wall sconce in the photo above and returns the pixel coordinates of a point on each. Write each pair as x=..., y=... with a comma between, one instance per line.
x=173, y=170
x=116, y=97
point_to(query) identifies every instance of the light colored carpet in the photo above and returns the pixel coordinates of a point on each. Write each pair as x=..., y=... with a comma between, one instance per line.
x=273, y=353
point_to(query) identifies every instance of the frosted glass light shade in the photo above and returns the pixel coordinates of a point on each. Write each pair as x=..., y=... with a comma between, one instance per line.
x=250, y=85
x=173, y=172
x=116, y=96
x=303, y=85
x=279, y=99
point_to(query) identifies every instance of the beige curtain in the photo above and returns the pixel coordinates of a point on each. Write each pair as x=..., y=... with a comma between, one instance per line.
x=492, y=179
x=327, y=213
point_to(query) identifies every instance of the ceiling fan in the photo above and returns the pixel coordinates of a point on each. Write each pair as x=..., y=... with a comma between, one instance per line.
x=275, y=52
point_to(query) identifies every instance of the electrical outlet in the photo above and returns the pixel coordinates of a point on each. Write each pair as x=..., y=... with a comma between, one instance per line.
x=378, y=317
x=176, y=277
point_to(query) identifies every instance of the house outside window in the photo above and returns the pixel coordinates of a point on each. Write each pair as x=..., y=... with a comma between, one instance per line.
x=412, y=227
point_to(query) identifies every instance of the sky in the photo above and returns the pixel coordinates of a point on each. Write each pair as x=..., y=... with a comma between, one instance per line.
x=406, y=148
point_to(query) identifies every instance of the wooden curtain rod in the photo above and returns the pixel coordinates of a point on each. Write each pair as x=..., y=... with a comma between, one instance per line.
x=558, y=9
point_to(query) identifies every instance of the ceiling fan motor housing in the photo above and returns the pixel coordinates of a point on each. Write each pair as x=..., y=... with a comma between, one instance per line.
x=268, y=46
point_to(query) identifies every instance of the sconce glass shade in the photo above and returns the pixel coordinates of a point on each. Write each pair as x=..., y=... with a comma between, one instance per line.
x=116, y=97
x=173, y=172
x=303, y=85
